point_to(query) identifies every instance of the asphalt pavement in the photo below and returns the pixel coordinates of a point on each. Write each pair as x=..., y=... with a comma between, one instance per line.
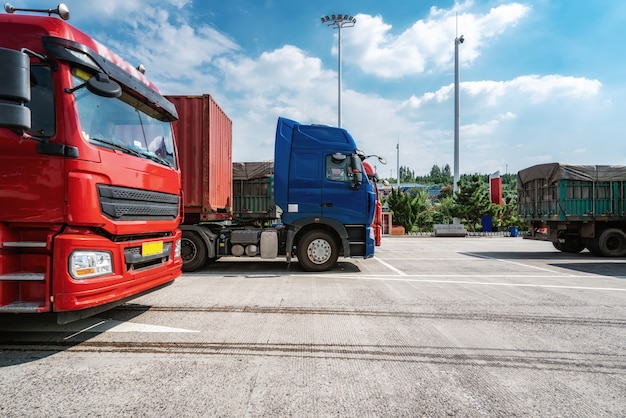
x=465, y=327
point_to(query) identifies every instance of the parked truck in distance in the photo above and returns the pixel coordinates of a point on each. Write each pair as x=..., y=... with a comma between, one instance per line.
x=324, y=201
x=575, y=206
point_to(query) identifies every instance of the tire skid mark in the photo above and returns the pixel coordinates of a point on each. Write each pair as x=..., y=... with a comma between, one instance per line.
x=585, y=362
x=465, y=316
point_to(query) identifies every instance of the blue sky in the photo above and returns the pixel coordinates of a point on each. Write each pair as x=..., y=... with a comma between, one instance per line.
x=541, y=80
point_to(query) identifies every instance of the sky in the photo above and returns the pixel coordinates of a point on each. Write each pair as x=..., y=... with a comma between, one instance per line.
x=540, y=80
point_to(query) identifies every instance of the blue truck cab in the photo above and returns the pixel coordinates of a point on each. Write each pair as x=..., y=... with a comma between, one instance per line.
x=323, y=205
x=328, y=202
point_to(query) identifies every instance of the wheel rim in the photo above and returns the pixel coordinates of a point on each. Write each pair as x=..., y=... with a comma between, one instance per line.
x=188, y=250
x=319, y=251
x=614, y=243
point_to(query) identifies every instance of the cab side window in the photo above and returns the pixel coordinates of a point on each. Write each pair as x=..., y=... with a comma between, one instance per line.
x=41, y=102
x=338, y=169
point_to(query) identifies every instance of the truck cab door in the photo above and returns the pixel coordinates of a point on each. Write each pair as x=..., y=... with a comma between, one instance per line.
x=304, y=191
x=343, y=198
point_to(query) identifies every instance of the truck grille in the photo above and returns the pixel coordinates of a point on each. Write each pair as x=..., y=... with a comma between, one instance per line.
x=134, y=259
x=122, y=203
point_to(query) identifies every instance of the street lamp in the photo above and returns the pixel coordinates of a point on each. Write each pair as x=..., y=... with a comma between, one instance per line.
x=457, y=42
x=339, y=21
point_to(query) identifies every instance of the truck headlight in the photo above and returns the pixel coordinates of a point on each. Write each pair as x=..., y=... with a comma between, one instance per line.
x=86, y=264
x=177, y=248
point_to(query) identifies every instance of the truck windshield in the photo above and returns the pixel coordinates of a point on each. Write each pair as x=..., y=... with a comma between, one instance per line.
x=123, y=124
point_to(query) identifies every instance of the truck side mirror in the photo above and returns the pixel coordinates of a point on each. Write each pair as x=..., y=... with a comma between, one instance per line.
x=102, y=85
x=357, y=173
x=14, y=89
x=358, y=179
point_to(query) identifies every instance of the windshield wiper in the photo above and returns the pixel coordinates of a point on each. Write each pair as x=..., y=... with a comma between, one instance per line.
x=157, y=159
x=132, y=151
x=117, y=146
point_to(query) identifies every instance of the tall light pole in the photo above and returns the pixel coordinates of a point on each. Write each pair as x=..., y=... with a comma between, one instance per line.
x=398, y=163
x=339, y=21
x=457, y=42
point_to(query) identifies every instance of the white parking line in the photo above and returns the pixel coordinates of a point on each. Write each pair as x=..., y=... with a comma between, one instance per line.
x=110, y=325
x=426, y=279
x=390, y=267
x=518, y=264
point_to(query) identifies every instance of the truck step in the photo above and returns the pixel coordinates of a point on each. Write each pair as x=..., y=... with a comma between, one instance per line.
x=22, y=307
x=32, y=277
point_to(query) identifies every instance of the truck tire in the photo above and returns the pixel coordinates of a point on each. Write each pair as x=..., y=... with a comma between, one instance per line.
x=612, y=243
x=193, y=251
x=569, y=244
x=317, y=251
x=593, y=246
x=572, y=245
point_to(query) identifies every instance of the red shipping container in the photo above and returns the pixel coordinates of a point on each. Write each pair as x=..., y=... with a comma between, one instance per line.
x=204, y=138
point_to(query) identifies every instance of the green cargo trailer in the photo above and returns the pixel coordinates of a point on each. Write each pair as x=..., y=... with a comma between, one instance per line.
x=575, y=206
x=253, y=192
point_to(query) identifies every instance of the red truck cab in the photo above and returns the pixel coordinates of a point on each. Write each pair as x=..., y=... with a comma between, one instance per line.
x=377, y=223
x=90, y=189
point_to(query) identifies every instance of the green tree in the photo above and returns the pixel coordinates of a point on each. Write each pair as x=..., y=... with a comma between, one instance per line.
x=422, y=209
x=406, y=175
x=435, y=174
x=473, y=202
x=403, y=212
x=446, y=191
x=446, y=174
x=444, y=210
x=510, y=215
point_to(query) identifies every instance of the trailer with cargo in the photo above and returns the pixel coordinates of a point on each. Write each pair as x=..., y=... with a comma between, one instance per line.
x=253, y=193
x=90, y=190
x=325, y=202
x=575, y=206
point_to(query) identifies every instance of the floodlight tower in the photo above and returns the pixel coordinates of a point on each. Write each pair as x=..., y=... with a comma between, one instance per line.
x=457, y=42
x=339, y=21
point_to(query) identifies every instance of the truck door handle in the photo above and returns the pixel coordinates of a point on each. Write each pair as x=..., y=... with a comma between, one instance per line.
x=326, y=205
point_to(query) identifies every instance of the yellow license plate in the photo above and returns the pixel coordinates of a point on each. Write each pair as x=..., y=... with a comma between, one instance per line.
x=151, y=248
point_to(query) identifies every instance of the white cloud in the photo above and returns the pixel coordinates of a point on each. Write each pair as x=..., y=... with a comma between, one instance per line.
x=160, y=36
x=541, y=88
x=507, y=116
x=531, y=88
x=428, y=44
x=503, y=122
x=284, y=69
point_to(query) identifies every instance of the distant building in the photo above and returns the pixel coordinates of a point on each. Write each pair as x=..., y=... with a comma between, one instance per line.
x=432, y=191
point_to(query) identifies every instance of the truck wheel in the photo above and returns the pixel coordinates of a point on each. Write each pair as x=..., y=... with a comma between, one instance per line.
x=573, y=245
x=193, y=251
x=612, y=243
x=317, y=251
x=593, y=246
x=557, y=245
